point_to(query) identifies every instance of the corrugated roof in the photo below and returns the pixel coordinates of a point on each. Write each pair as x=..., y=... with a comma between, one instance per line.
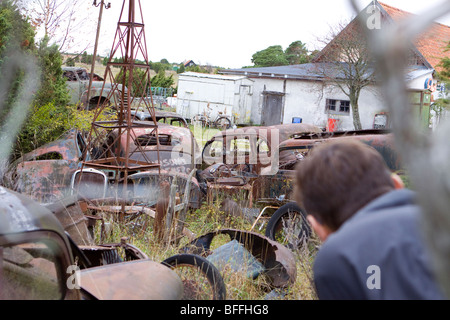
x=300, y=71
x=213, y=76
x=306, y=71
x=312, y=71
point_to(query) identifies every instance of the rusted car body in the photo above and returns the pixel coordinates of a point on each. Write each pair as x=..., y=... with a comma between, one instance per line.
x=250, y=148
x=146, y=186
x=37, y=262
x=167, y=117
x=139, y=280
x=51, y=171
x=45, y=174
x=178, y=150
x=234, y=159
x=280, y=185
x=278, y=261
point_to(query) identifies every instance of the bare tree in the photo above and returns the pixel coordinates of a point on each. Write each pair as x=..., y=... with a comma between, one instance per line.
x=346, y=63
x=59, y=20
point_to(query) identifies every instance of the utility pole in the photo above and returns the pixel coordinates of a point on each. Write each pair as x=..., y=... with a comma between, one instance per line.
x=94, y=57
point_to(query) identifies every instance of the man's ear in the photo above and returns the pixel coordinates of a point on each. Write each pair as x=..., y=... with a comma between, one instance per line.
x=398, y=182
x=322, y=231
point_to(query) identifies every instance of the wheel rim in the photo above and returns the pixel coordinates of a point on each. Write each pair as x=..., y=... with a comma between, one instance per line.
x=291, y=229
x=223, y=123
x=195, y=282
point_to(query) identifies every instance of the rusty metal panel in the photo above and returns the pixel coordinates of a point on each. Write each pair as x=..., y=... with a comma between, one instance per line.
x=278, y=261
x=381, y=140
x=133, y=280
x=146, y=186
x=46, y=180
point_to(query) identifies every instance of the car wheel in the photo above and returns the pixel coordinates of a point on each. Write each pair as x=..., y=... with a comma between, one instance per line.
x=201, y=279
x=288, y=226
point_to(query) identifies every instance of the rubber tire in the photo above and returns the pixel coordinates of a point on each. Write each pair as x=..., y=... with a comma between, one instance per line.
x=212, y=273
x=216, y=124
x=279, y=213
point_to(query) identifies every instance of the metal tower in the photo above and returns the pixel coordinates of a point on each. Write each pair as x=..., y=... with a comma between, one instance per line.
x=117, y=149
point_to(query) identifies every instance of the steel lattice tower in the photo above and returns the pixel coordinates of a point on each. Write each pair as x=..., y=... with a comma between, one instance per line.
x=129, y=91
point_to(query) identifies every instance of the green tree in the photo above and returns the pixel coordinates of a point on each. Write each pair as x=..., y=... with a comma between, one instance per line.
x=442, y=104
x=17, y=64
x=70, y=63
x=16, y=35
x=181, y=68
x=49, y=102
x=49, y=114
x=86, y=58
x=297, y=53
x=269, y=57
x=197, y=69
x=105, y=61
x=444, y=74
x=140, y=82
x=160, y=80
x=53, y=85
x=45, y=123
x=158, y=66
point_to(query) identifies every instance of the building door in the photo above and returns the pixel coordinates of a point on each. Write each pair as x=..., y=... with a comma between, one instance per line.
x=272, y=108
x=243, y=113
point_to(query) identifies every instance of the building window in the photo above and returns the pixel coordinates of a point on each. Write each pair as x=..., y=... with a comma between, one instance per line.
x=337, y=106
x=344, y=106
x=331, y=105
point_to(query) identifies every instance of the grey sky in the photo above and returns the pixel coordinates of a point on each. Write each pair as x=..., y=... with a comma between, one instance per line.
x=228, y=33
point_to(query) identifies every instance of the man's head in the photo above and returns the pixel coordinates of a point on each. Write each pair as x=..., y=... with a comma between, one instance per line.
x=337, y=179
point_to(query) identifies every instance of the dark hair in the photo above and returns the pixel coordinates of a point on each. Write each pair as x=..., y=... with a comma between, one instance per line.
x=338, y=178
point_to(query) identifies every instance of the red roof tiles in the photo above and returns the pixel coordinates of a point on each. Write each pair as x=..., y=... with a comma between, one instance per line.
x=431, y=43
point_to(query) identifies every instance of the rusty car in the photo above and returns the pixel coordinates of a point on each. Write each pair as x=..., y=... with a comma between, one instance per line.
x=161, y=116
x=233, y=159
x=39, y=260
x=288, y=223
x=47, y=173
x=175, y=146
x=249, y=149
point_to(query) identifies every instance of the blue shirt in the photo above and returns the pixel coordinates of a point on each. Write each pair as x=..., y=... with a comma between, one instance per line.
x=379, y=253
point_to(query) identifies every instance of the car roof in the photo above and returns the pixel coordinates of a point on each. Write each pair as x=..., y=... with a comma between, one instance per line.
x=285, y=130
x=21, y=214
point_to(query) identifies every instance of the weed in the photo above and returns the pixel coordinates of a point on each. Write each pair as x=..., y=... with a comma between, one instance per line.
x=209, y=218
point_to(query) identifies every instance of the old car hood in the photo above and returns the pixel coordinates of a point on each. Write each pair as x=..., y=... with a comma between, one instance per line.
x=132, y=280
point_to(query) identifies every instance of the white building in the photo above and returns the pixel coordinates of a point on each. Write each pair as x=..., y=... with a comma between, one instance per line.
x=286, y=94
x=200, y=93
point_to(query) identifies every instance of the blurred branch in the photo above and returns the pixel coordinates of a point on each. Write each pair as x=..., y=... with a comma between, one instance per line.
x=426, y=154
x=19, y=110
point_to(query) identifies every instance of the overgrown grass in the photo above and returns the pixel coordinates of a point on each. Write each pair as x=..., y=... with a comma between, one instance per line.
x=208, y=218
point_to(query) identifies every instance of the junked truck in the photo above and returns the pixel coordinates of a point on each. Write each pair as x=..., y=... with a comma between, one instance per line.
x=102, y=92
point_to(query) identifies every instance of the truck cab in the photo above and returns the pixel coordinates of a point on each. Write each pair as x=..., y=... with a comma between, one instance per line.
x=101, y=93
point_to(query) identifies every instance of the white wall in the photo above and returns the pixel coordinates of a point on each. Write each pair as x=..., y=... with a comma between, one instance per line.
x=370, y=103
x=306, y=99
x=260, y=85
